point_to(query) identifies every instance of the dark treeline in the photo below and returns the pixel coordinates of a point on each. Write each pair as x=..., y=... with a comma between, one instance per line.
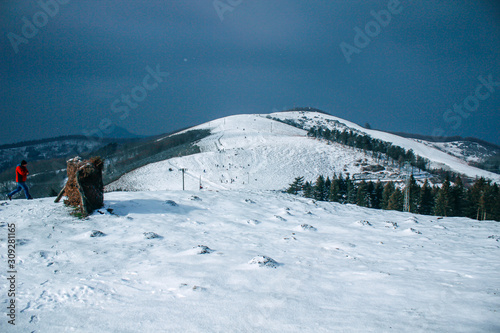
x=481, y=201
x=367, y=143
x=380, y=149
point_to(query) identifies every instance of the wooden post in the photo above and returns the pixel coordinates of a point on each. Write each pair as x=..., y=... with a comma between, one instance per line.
x=59, y=196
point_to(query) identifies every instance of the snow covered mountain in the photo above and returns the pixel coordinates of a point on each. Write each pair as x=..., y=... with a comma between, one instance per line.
x=236, y=257
x=60, y=147
x=11, y=155
x=257, y=152
x=247, y=261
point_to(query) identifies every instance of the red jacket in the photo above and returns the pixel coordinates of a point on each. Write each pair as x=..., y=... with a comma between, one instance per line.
x=21, y=173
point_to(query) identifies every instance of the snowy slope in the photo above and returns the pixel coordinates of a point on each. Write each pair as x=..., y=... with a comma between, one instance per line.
x=246, y=151
x=254, y=152
x=438, y=158
x=465, y=150
x=338, y=268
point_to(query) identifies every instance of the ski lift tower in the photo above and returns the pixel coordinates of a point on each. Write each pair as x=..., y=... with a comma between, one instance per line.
x=183, y=172
x=408, y=172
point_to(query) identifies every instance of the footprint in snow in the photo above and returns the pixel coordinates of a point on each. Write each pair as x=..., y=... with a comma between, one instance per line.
x=195, y=198
x=394, y=225
x=292, y=237
x=412, y=219
x=202, y=249
x=364, y=223
x=307, y=227
x=22, y=241
x=280, y=218
x=171, y=203
x=151, y=235
x=44, y=254
x=97, y=233
x=253, y=222
x=264, y=261
x=249, y=201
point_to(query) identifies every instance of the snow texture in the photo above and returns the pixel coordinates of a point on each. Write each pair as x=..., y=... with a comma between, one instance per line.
x=254, y=152
x=401, y=273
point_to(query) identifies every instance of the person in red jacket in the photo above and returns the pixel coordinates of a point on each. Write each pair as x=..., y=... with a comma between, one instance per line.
x=21, y=175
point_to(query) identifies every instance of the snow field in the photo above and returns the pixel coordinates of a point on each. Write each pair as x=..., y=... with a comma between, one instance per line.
x=252, y=152
x=338, y=267
x=246, y=152
x=438, y=158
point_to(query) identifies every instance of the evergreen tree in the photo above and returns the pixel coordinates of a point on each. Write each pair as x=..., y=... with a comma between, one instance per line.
x=362, y=198
x=351, y=191
x=328, y=184
x=342, y=189
x=319, y=189
x=377, y=195
x=370, y=194
x=474, y=195
x=308, y=190
x=457, y=198
x=496, y=204
x=386, y=194
x=414, y=194
x=442, y=203
x=396, y=200
x=425, y=199
x=489, y=201
x=334, y=194
x=296, y=186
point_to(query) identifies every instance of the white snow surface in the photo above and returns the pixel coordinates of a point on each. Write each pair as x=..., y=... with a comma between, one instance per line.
x=438, y=158
x=254, y=152
x=248, y=261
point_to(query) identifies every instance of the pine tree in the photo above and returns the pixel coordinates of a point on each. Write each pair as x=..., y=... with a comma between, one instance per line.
x=496, y=205
x=386, y=194
x=396, y=200
x=334, y=194
x=296, y=186
x=457, y=198
x=370, y=194
x=319, y=189
x=377, y=195
x=351, y=191
x=442, y=203
x=425, y=199
x=342, y=189
x=308, y=190
x=362, y=194
x=414, y=194
x=328, y=184
x=489, y=201
x=474, y=195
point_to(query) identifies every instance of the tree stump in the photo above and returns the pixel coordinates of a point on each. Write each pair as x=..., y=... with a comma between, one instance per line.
x=84, y=188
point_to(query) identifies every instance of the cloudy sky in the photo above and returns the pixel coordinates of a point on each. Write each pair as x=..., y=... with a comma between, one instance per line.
x=72, y=66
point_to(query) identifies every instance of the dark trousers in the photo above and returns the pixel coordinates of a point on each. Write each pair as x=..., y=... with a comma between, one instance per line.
x=21, y=186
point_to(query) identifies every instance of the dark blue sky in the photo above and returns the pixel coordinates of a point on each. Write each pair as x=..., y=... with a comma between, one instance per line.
x=85, y=64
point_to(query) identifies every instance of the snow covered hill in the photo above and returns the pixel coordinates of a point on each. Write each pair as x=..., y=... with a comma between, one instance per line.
x=466, y=150
x=257, y=152
x=11, y=155
x=247, y=261
x=440, y=155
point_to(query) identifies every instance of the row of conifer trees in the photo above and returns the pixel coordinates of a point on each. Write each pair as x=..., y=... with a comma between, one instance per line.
x=479, y=201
